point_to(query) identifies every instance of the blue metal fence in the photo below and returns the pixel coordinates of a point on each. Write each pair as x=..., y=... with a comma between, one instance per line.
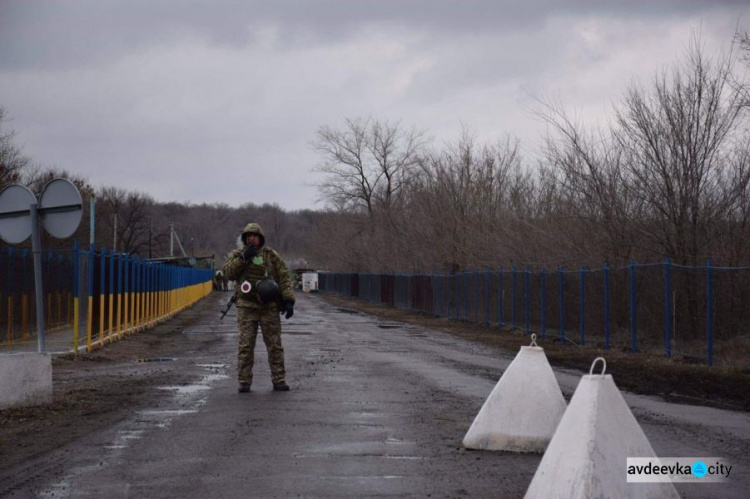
x=693, y=313
x=98, y=295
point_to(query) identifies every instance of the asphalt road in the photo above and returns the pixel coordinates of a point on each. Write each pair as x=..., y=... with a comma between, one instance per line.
x=377, y=408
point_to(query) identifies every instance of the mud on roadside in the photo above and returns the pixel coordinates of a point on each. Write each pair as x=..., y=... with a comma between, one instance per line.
x=100, y=388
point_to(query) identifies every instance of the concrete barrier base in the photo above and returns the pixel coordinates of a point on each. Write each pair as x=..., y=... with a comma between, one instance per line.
x=587, y=456
x=25, y=379
x=523, y=410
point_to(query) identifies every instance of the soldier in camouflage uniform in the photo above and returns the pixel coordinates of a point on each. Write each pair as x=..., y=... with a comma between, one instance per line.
x=248, y=267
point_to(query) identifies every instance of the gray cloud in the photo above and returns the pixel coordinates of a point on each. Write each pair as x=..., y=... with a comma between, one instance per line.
x=83, y=32
x=217, y=101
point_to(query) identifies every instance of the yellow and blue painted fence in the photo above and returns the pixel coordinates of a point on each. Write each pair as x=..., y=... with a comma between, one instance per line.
x=99, y=297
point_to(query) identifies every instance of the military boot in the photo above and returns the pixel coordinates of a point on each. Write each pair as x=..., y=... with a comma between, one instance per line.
x=243, y=389
x=281, y=386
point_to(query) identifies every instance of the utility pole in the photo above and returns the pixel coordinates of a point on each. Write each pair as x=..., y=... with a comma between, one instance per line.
x=114, y=243
x=171, y=238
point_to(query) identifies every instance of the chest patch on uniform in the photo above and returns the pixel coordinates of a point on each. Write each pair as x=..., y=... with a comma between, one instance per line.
x=246, y=287
x=258, y=260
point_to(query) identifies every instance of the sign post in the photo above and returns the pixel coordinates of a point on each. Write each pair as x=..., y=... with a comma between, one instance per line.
x=36, y=250
x=60, y=209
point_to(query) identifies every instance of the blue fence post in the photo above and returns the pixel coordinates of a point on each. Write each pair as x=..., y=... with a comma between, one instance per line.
x=667, y=308
x=9, y=312
x=11, y=252
x=126, y=290
x=527, y=299
x=457, y=297
x=436, y=297
x=606, y=305
x=487, y=294
x=76, y=297
x=710, y=312
x=633, y=312
x=500, y=297
x=476, y=295
x=55, y=280
x=120, y=289
x=136, y=289
x=543, y=302
x=582, y=305
x=467, y=276
x=24, y=289
x=439, y=294
x=513, y=297
x=90, y=309
x=446, y=284
x=102, y=291
x=561, y=274
x=25, y=319
x=112, y=280
x=445, y=288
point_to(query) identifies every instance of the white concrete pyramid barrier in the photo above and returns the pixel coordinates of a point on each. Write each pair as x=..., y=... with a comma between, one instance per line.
x=587, y=456
x=523, y=409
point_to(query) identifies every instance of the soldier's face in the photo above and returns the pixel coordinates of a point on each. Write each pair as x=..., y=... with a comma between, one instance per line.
x=253, y=239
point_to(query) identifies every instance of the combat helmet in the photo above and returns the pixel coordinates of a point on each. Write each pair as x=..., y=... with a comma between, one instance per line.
x=253, y=228
x=268, y=291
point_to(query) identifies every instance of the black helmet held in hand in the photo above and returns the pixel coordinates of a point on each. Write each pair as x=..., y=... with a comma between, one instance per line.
x=268, y=291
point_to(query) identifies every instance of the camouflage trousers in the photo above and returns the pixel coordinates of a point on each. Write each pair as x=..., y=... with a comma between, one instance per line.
x=249, y=320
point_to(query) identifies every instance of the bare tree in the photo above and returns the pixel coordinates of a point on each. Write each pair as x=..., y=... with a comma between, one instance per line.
x=132, y=210
x=461, y=201
x=12, y=161
x=677, y=138
x=367, y=163
x=593, y=192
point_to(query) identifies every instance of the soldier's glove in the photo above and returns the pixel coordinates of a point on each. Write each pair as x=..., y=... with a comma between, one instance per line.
x=249, y=253
x=287, y=307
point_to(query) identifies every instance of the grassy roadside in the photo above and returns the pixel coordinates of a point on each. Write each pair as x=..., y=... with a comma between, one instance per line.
x=644, y=373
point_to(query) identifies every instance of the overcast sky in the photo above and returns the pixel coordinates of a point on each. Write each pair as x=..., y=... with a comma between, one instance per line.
x=217, y=101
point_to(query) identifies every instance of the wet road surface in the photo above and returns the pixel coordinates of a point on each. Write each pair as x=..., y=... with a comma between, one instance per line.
x=377, y=408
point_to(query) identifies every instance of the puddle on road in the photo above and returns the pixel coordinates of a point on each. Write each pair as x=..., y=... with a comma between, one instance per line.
x=217, y=329
x=396, y=441
x=348, y=456
x=348, y=311
x=185, y=399
x=185, y=389
x=124, y=437
x=213, y=366
x=166, y=412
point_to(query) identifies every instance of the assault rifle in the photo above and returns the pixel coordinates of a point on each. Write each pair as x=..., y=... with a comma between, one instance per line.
x=229, y=305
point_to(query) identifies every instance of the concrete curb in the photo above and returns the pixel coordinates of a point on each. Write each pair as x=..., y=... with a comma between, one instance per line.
x=25, y=379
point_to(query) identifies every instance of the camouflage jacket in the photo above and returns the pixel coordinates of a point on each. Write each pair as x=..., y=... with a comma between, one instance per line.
x=268, y=263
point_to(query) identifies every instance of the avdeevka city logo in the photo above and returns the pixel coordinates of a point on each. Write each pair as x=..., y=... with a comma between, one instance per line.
x=699, y=469
x=677, y=469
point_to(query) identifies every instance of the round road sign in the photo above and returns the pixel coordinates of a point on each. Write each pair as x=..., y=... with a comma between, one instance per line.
x=62, y=207
x=15, y=216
